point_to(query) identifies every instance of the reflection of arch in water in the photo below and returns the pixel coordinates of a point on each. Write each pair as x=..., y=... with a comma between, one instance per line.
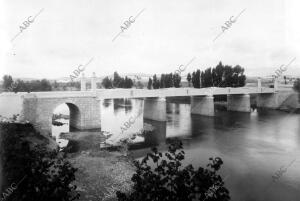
x=107, y=102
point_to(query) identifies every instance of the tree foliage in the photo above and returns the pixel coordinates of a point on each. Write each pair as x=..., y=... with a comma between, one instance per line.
x=220, y=76
x=117, y=82
x=196, y=79
x=107, y=83
x=149, y=86
x=25, y=86
x=47, y=175
x=7, y=82
x=161, y=177
x=189, y=78
x=165, y=81
x=155, y=82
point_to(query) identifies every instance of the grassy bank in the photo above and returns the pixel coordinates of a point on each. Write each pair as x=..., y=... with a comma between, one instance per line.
x=100, y=173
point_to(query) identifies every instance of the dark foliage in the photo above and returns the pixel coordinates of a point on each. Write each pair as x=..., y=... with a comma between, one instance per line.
x=166, y=81
x=220, y=76
x=28, y=86
x=189, y=78
x=163, y=178
x=107, y=83
x=46, y=174
x=149, y=86
x=117, y=82
x=155, y=82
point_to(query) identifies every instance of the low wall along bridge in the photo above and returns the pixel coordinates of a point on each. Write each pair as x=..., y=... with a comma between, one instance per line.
x=84, y=105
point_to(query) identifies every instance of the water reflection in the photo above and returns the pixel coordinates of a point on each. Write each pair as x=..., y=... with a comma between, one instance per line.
x=122, y=103
x=107, y=102
x=252, y=145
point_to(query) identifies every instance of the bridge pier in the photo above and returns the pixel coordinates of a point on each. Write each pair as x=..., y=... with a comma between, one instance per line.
x=203, y=105
x=270, y=101
x=239, y=103
x=155, y=109
x=90, y=117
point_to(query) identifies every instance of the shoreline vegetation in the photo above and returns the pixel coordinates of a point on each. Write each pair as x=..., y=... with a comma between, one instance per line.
x=100, y=172
x=25, y=153
x=94, y=173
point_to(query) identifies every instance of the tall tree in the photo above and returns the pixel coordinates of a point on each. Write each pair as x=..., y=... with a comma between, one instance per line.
x=193, y=79
x=239, y=79
x=162, y=83
x=7, y=82
x=128, y=83
x=149, y=86
x=107, y=83
x=155, y=82
x=207, y=78
x=202, y=76
x=220, y=76
x=196, y=79
x=176, y=80
x=117, y=80
x=189, y=78
x=219, y=69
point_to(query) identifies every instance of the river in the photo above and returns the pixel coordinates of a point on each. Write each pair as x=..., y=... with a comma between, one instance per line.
x=253, y=146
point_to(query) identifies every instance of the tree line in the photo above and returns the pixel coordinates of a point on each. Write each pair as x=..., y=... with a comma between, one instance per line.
x=165, y=81
x=220, y=76
x=25, y=86
x=117, y=82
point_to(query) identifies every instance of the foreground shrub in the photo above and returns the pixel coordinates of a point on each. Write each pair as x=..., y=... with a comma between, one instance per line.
x=163, y=179
x=35, y=172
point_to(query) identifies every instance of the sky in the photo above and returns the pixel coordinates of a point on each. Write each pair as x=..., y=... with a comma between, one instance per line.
x=165, y=35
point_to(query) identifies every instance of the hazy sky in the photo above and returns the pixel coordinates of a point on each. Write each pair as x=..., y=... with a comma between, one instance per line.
x=165, y=35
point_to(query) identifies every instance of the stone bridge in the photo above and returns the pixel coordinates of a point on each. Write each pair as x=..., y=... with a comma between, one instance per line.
x=84, y=106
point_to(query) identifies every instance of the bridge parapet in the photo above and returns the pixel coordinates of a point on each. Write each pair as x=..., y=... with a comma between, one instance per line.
x=169, y=92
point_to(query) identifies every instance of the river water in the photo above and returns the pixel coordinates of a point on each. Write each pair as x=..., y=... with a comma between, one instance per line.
x=253, y=146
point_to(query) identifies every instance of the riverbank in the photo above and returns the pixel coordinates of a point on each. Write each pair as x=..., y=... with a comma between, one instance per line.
x=100, y=173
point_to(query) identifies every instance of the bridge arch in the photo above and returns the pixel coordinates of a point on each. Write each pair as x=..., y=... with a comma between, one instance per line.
x=84, y=110
x=74, y=114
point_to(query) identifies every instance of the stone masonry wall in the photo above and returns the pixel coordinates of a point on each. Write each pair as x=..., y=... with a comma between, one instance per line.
x=84, y=112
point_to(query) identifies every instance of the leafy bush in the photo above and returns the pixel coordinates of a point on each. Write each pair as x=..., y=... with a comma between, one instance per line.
x=43, y=174
x=163, y=178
